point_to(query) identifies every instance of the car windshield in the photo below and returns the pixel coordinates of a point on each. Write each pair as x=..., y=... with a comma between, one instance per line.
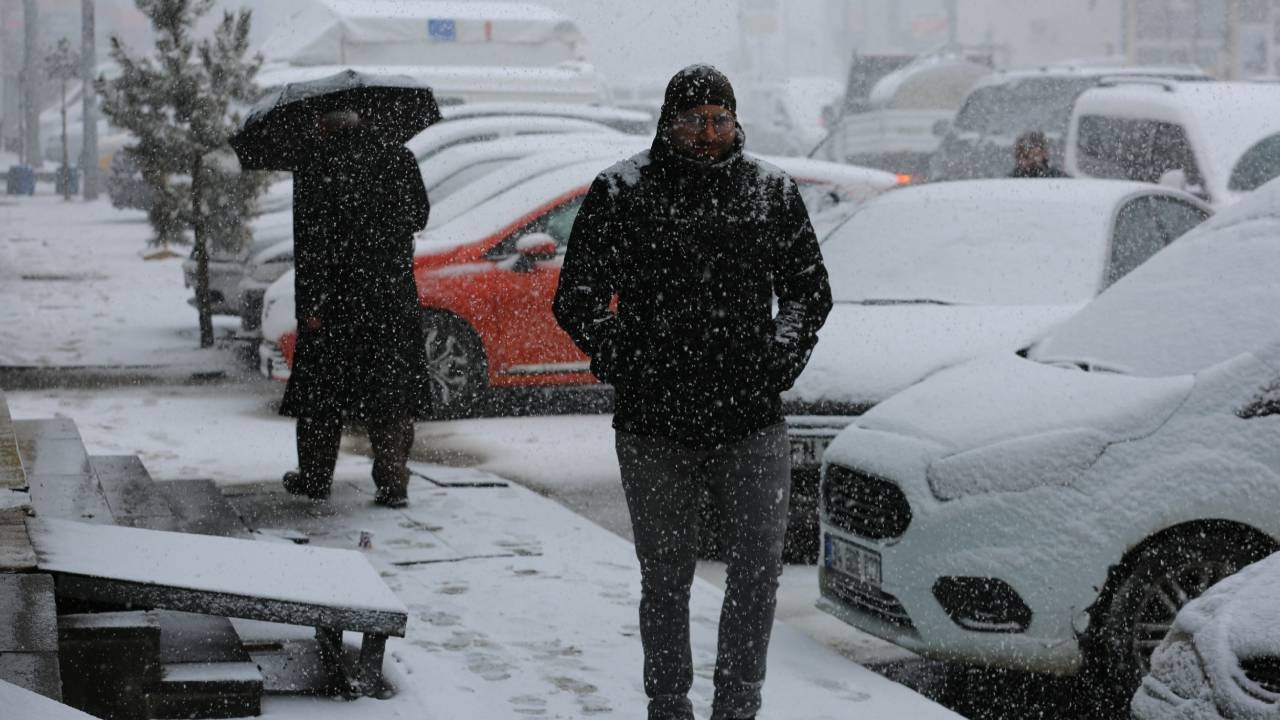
x=1012, y=108
x=961, y=251
x=1206, y=298
x=1257, y=166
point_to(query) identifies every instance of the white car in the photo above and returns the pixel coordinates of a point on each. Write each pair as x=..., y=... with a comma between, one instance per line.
x=1050, y=509
x=260, y=272
x=632, y=122
x=1218, y=140
x=1221, y=659
x=456, y=167
x=928, y=276
x=444, y=135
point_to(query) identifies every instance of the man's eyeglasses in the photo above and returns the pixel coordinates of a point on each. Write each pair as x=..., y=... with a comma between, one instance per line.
x=696, y=122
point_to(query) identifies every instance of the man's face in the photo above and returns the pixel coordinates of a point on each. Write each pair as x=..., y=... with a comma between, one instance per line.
x=1033, y=155
x=706, y=132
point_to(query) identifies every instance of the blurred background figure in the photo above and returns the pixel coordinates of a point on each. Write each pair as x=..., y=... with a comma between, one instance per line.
x=1031, y=155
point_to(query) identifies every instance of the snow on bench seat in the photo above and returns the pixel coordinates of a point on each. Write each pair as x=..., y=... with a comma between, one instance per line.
x=22, y=703
x=300, y=585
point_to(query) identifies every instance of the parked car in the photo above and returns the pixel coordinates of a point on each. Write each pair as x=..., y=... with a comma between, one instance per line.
x=260, y=272
x=632, y=122
x=1051, y=509
x=1221, y=657
x=444, y=135
x=894, y=127
x=1006, y=104
x=930, y=276
x=455, y=167
x=226, y=270
x=1217, y=140
x=487, y=277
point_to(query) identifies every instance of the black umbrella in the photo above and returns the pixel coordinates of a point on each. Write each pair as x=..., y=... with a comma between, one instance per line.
x=282, y=131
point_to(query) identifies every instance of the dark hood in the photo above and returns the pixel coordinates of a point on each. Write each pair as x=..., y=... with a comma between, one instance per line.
x=692, y=87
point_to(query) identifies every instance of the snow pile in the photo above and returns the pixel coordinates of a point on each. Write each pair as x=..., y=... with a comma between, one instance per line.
x=1196, y=672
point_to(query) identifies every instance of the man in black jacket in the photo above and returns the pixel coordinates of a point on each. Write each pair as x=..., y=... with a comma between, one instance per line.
x=694, y=240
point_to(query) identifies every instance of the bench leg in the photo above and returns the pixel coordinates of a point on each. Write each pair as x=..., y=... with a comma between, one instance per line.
x=368, y=675
x=329, y=645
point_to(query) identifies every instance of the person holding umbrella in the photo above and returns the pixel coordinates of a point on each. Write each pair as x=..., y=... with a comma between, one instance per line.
x=358, y=198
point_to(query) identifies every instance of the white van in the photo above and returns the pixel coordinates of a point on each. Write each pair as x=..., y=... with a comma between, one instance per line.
x=1217, y=140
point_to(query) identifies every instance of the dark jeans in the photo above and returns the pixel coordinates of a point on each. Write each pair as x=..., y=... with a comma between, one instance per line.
x=750, y=483
x=320, y=437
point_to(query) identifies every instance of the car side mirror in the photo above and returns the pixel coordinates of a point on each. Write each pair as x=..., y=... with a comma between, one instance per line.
x=539, y=246
x=533, y=249
x=941, y=128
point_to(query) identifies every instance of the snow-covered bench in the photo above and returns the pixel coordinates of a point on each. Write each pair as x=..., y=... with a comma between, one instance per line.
x=329, y=589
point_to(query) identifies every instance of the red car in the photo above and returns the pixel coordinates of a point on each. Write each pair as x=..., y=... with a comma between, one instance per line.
x=486, y=281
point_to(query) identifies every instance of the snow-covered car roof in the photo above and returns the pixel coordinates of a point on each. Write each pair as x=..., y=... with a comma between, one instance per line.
x=618, y=118
x=1224, y=119
x=444, y=134
x=495, y=214
x=980, y=242
x=1209, y=296
x=494, y=184
x=1188, y=72
x=444, y=164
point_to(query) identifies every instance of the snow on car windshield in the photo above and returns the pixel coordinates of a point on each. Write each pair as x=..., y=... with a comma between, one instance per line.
x=1208, y=297
x=982, y=243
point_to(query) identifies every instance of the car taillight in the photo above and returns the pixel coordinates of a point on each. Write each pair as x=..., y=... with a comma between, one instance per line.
x=905, y=179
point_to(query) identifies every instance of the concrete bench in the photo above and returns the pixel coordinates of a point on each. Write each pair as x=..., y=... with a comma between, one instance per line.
x=328, y=589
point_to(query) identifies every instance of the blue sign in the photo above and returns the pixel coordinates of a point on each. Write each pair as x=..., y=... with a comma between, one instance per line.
x=442, y=30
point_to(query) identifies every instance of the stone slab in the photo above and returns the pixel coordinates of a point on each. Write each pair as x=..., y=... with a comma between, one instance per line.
x=16, y=553
x=28, y=616
x=199, y=507
x=130, y=492
x=36, y=671
x=276, y=582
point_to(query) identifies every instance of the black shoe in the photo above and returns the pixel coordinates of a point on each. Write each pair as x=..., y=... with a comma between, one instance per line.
x=294, y=484
x=388, y=497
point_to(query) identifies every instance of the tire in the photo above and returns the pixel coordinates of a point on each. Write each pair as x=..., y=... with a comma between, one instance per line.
x=459, y=372
x=1142, y=600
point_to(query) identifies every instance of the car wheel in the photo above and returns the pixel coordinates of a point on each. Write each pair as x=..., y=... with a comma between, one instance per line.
x=1157, y=582
x=456, y=361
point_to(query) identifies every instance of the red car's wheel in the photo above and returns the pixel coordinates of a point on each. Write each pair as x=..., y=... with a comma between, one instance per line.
x=459, y=374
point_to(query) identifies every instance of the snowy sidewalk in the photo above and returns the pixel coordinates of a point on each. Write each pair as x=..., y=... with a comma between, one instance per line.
x=76, y=293
x=518, y=606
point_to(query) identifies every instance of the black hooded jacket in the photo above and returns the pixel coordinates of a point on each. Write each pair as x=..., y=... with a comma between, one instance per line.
x=694, y=253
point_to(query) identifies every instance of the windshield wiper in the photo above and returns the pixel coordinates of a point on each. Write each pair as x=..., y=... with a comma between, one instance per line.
x=891, y=301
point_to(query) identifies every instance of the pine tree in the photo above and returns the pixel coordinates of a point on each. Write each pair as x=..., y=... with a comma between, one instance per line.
x=181, y=105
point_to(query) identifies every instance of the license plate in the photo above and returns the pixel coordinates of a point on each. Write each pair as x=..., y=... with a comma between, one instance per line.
x=807, y=451
x=855, y=561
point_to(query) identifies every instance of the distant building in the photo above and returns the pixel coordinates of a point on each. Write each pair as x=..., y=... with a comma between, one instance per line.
x=1231, y=38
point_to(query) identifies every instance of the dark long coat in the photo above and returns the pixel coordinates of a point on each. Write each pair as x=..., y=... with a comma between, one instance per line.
x=695, y=254
x=354, y=215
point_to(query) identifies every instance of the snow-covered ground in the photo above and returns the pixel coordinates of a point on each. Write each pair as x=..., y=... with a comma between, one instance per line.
x=518, y=606
x=76, y=291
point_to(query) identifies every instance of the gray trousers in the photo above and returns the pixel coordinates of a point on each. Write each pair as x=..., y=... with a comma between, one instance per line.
x=750, y=483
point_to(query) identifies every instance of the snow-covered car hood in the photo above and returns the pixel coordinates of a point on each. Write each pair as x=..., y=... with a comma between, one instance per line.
x=866, y=353
x=1004, y=423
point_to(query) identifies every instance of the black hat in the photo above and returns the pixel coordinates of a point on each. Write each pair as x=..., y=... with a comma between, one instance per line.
x=698, y=85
